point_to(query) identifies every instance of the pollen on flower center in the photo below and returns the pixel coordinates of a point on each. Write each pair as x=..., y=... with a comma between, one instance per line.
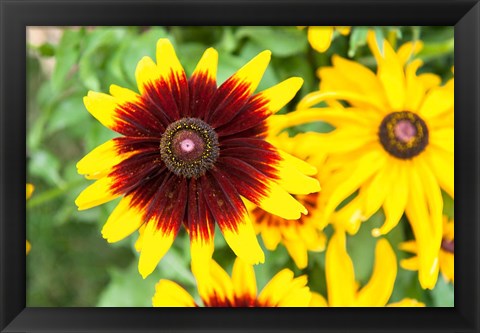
x=189, y=147
x=403, y=134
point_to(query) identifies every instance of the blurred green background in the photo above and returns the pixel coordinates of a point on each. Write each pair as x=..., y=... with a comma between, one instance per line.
x=70, y=264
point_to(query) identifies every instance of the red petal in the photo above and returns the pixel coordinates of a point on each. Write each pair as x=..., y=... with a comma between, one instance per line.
x=202, y=88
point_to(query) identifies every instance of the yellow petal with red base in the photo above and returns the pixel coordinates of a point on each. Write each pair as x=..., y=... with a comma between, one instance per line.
x=243, y=279
x=243, y=241
x=154, y=246
x=123, y=221
x=96, y=194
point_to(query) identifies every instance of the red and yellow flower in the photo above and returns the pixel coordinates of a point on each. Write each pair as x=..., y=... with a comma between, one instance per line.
x=219, y=290
x=29, y=191
x=188, y=154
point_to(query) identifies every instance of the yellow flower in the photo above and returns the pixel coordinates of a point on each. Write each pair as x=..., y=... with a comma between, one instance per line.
x=342, y=288
x=190, y=152
x=301, y=235
x=29, y=191
x=320, y=38
x=219, y=290
x=445, y=254
x=393, y=143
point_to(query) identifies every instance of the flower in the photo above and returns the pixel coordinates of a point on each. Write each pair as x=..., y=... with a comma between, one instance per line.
x=320, y=38
x=29, y=191
x=219, y=290
x=301, y=235
x=393, y=143
x=446, y=253
x=342, y=288
x=189, y=152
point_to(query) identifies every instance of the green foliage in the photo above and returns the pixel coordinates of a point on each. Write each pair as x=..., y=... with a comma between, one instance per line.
x=70, y=264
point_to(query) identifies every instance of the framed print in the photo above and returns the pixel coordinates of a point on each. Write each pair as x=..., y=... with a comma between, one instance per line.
x=298, y=158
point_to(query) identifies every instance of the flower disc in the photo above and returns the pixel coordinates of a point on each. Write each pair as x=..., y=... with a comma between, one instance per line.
x=189, y=147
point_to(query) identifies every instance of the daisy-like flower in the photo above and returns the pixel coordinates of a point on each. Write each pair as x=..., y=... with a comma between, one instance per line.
x=446, y=254
x=393, y=143
x=301, y=235
x=342, y=288
x=321, y=37
x=189, y=152
x=29, y=191
x=219, y=290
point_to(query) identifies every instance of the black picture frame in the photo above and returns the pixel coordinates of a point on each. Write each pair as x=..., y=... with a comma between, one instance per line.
x=15, y=15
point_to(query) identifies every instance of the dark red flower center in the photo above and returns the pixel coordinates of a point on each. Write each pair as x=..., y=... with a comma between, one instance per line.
x=403, y=134
x=448, y=245
x=189, y=147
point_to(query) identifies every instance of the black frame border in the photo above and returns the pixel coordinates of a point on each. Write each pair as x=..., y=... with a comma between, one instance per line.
x=15, y=15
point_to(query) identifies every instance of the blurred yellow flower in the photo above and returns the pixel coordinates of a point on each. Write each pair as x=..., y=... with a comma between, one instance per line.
x=446, y=253
x=342, y=288
x=393, y=143
x=219, y=290
x=321, y=37
x=29, y=192
x=301, y=235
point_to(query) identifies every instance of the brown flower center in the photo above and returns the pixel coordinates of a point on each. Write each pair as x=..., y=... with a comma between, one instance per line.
x=403, y=134
x=448, y=245
x=189, y=147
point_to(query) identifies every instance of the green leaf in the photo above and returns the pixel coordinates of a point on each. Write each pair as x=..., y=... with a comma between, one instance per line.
x=282, y=41
x=47, y=50
x=69, y=112
x=358, y=38
x=379, y=37
x=45, y=165
x=443, y=293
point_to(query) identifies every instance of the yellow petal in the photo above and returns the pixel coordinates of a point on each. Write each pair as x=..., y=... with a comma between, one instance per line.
x=442, y=166
x=408, y=246
x=167, y=61
x=252, y=72
x=317, y=97
x=415, y=88
x=28, y=247
x=123, y=95
x=154, y=246
x=170, y=294
x=447, y=268
x=339, y=272
x=243, y=279
x=208, y=64
x=318, y=300
x=443, y=139
x=390, y=72
x=100, y=161
x=278, y=202
x=201, y=252
x=293, y=180
x=299, y=164
x=379, y=288
x=298, y=252
x=396, y=199
x=377, y=190
x=363, y=170
x=279, y=95
x=428, y=242
x=123, y=221
x=408, y=50
x=102, y=107
x=407, y=302
x=285, y=290
x=146, y=73
x=243, y=242
x=410, y=264
x=437, y=101
x=96, y=194
x=139, y=241
x=271, y=236
x=29, y=190
x=320, y=37
x=216, y=286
